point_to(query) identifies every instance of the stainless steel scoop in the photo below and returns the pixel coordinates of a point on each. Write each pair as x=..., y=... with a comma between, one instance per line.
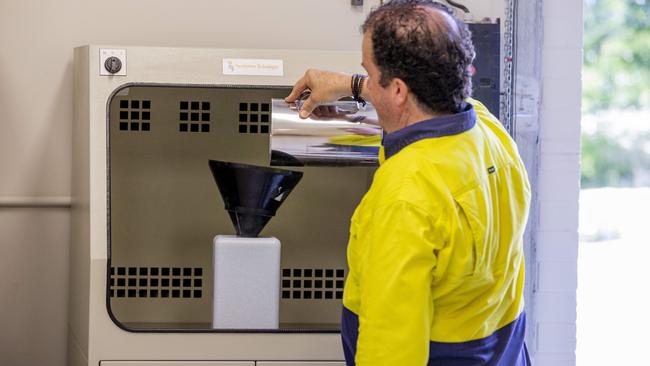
x=335, y=134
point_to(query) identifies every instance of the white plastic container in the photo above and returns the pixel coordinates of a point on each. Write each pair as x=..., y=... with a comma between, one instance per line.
x=246, y=283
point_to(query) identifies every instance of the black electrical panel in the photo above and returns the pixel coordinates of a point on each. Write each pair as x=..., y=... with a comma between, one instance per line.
x=486, y=80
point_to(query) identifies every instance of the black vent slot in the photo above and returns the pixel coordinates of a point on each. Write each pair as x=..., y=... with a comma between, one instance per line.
x=194, y=116
x=156, y=282
x=135, y=115
x=254, y=117
x=312, y=284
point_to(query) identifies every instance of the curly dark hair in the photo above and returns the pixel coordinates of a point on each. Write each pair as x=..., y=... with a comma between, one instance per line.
x=426, y=50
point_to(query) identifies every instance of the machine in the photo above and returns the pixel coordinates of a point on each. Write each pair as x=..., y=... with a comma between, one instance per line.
x=146, y=208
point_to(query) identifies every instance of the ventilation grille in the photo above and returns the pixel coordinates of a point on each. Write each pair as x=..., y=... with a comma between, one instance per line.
x=308, y=284
x=194, y=116
x=254, y=117
x=156, y=282
x=135, y=115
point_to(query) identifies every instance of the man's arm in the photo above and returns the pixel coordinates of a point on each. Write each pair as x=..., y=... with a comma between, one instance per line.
x=325, y=86
x=395, y=289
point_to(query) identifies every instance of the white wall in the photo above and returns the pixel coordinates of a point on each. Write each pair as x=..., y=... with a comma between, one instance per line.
x=36, y=43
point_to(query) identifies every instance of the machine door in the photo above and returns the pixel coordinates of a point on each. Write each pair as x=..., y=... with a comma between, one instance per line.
x=165, y=209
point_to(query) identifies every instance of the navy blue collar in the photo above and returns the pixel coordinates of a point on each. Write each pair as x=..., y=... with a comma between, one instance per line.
x=448, y=125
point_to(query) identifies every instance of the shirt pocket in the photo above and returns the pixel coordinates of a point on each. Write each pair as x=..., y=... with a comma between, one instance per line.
x=474, y=206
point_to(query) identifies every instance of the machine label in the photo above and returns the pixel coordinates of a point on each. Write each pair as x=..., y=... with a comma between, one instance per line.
x=250, y=66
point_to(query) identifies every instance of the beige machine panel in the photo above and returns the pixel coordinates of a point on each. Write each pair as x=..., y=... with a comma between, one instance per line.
x=153, y=215
x=175, y=363
x=282, y=363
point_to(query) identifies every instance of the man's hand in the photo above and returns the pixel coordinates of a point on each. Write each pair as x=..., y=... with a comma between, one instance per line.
x=325, y=86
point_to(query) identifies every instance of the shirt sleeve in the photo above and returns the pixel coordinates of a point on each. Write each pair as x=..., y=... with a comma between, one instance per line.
x=396, y=306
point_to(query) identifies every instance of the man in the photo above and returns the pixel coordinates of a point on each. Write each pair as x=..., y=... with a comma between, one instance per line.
x=435, y=252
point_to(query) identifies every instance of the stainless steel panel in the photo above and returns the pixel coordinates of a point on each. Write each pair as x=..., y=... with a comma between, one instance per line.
x=165, y=208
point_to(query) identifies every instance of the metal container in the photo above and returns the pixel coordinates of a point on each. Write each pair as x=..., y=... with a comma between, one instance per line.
x=342, y=133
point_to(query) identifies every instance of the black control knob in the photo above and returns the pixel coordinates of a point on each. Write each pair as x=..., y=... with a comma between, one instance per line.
x=113, y=65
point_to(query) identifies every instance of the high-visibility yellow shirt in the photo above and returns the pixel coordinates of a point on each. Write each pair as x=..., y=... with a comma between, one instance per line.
x=435, y=255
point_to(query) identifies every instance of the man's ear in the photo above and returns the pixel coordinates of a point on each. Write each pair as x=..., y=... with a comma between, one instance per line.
x=400, y=91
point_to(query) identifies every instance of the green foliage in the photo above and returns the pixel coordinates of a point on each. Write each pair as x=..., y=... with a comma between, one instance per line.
x=608, y=162
x=616, y=76
x=604, y=162
x=616, y=70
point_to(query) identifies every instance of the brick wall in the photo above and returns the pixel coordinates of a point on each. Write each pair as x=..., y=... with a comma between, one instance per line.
x=559, y=174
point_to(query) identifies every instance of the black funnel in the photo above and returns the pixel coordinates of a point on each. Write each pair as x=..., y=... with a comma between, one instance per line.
x=252, y=194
